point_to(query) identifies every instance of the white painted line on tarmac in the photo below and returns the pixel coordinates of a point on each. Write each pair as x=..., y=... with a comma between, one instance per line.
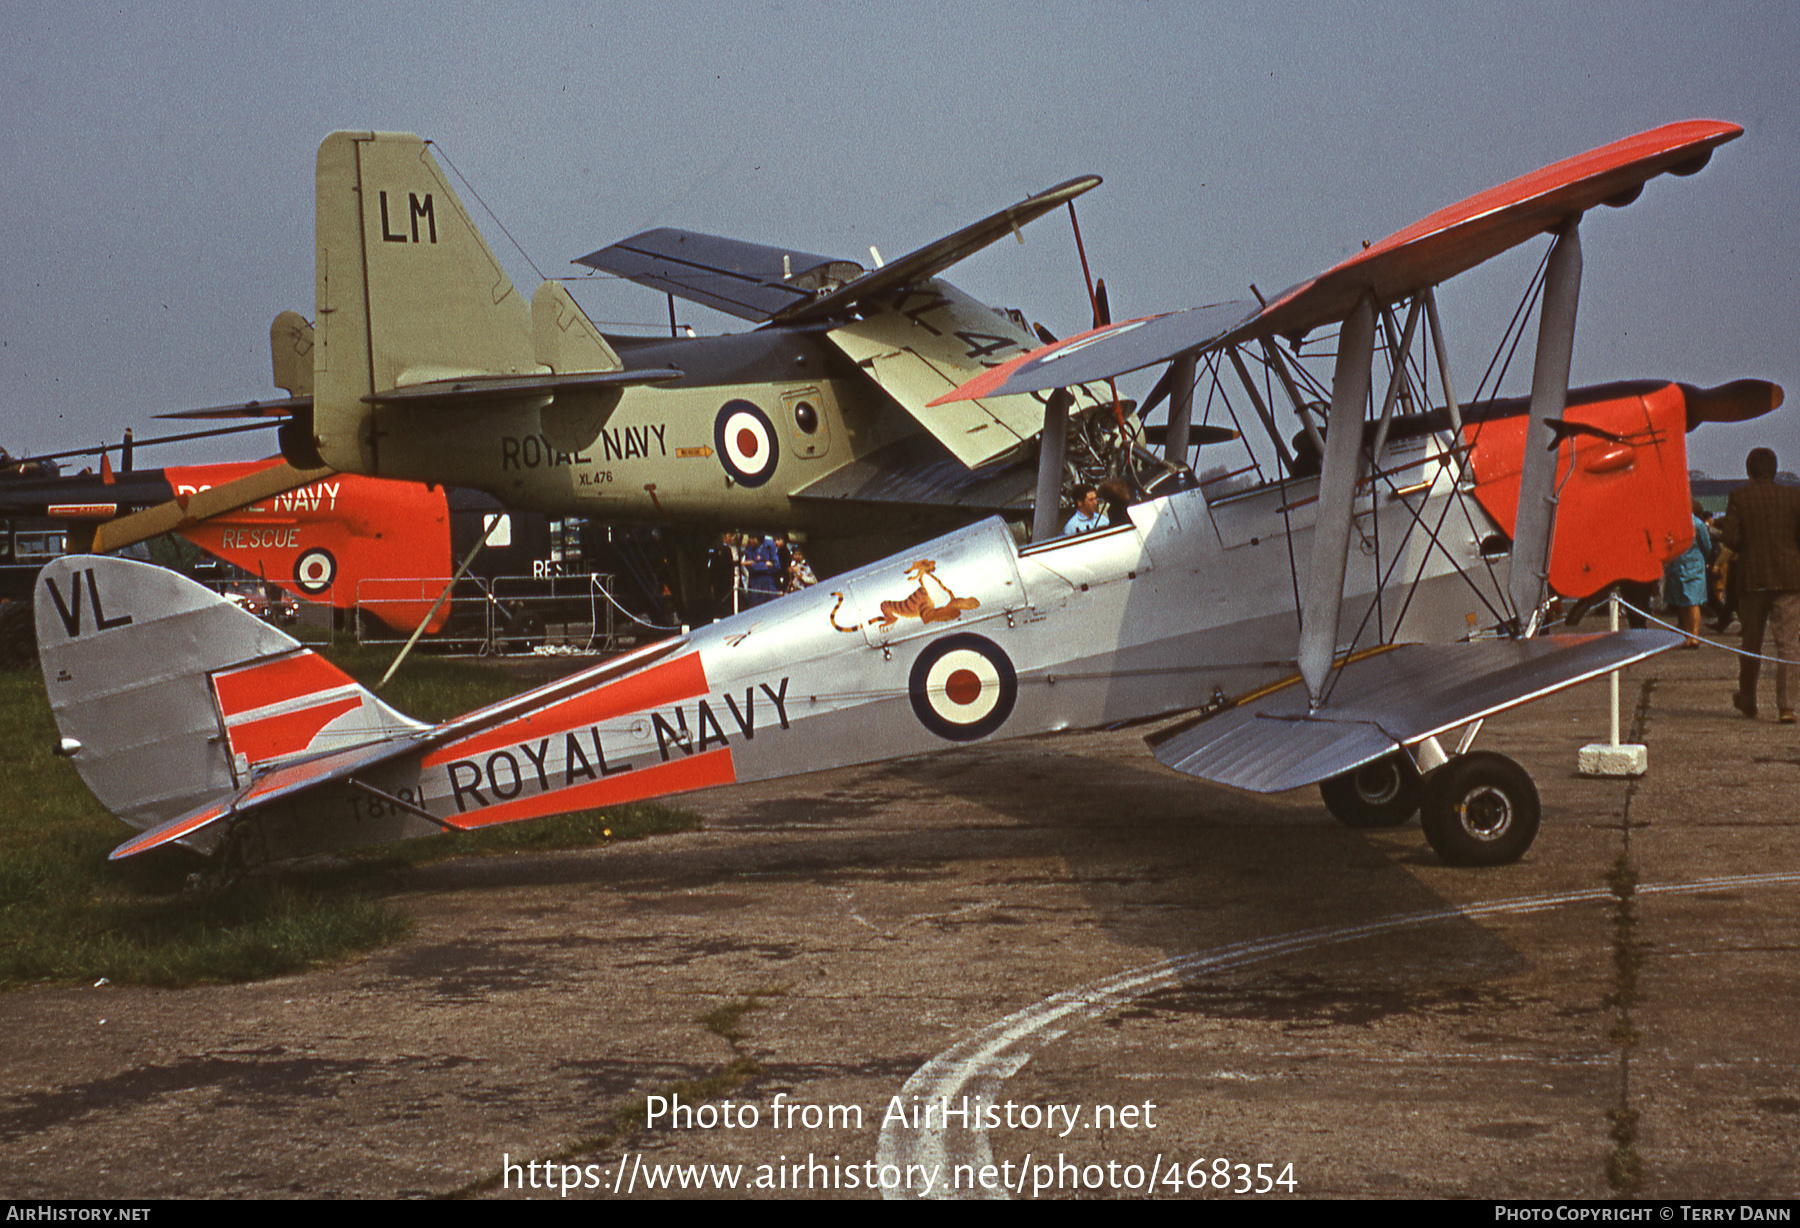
x=977, y=1066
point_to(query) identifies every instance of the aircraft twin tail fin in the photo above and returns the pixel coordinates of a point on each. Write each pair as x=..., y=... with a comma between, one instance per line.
x=408, y=294
x=169, y=697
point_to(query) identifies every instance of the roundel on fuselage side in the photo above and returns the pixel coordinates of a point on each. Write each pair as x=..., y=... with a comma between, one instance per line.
x=746, y=444
x=314, y=571
x=963, y=687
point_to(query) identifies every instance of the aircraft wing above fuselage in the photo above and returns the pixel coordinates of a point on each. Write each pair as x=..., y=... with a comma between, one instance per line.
x=749, y=280
x=1433, y=250
x=915, y=336
x=757, y=282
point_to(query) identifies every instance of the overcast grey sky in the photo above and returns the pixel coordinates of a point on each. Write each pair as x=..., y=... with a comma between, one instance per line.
x=157, y=202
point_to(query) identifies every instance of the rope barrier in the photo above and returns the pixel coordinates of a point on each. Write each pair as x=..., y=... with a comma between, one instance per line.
x=611, y=600
x=1739, y=652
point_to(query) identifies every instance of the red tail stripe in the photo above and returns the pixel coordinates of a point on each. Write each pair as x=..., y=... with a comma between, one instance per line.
x=288, y=732
x=656, y=687
x=271, y=682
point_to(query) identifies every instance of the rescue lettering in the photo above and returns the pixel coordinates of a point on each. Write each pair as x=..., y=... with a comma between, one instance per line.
x=259, y=539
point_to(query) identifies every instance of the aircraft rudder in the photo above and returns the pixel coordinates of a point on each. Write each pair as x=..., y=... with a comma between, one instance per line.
x=407, y=289
x=167, y=695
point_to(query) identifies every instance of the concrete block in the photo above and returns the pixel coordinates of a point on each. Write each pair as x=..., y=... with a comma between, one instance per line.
x=1605, y=759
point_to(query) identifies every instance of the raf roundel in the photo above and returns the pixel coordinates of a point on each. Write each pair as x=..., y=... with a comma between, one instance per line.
x=963, y=687
x=745, y=441
x=314, y=571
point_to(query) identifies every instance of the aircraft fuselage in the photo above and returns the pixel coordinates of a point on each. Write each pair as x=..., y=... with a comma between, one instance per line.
x=966, y=637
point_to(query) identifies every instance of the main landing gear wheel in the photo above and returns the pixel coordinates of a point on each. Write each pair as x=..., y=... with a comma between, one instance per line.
x=1384, y=793
x=1480, y=809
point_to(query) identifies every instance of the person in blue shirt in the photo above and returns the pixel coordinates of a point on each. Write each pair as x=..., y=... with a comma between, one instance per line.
x=1684, y=581
x=763, y=559
x=1088, y=515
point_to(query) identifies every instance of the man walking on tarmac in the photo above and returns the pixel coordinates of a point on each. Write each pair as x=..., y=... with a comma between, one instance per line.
x=1762, y=524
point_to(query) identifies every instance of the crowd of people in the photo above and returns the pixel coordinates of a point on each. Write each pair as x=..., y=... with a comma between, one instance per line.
x=746, y=569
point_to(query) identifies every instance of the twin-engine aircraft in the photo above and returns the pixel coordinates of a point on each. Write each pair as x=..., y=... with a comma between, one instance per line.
x=1326, y=623
x=424, y=363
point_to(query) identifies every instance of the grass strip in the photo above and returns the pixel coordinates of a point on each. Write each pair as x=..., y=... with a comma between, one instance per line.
x=67, y=915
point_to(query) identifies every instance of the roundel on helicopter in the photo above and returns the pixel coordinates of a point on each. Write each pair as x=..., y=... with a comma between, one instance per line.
x=314, y=571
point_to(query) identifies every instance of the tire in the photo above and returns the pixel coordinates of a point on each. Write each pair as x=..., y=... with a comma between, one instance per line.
x=1480, y=809
x=1384, y=793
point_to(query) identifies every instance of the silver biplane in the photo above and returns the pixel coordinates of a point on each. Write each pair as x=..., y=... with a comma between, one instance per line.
x=1334, y=625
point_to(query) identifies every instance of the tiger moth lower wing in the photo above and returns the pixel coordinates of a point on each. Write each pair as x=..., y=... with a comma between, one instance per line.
x=1384, y=701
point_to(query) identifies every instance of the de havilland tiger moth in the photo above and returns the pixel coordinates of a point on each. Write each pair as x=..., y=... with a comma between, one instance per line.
x=1350, y=627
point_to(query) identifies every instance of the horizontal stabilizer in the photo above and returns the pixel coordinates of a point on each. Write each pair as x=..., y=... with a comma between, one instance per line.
x=185, y=827
x=275, y=407
x=1391, y=698
x=272, y=786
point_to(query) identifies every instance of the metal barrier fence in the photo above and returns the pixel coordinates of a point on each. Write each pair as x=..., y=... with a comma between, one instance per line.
x=505, y=614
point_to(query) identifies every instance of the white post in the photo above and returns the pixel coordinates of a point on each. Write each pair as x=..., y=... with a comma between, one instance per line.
x=1613, y=758
x=1612, y=624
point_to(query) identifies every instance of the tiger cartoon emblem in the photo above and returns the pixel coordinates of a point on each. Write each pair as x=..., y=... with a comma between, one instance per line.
x=919, y=604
